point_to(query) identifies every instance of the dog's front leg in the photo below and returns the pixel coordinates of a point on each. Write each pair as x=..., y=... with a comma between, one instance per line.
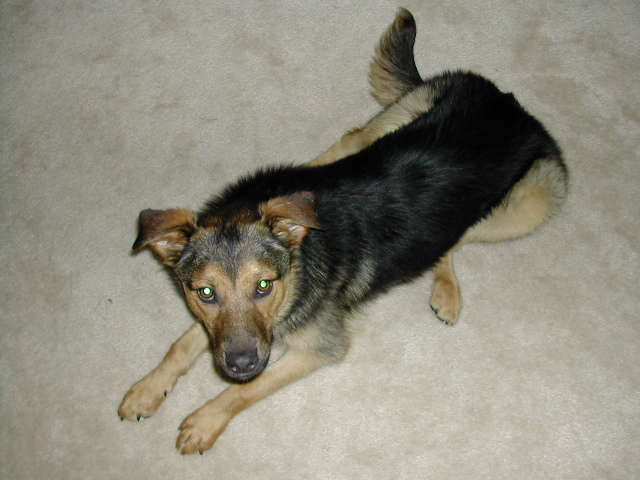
x=144, y=398
x=201, y=429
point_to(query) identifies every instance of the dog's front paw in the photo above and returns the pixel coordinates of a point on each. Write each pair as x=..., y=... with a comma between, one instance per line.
x=446, y=300
x=200, y=430
x=144, y=398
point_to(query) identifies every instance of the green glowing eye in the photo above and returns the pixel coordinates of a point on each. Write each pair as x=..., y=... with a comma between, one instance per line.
x=264, y=287
x=206, y=293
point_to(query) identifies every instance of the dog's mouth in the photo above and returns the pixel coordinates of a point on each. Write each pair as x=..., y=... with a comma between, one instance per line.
x=242, y=366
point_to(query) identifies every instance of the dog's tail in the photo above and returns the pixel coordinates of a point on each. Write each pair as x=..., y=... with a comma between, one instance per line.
x=393, y=71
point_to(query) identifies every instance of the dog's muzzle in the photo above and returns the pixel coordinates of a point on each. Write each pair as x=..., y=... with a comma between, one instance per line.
x=243, y=365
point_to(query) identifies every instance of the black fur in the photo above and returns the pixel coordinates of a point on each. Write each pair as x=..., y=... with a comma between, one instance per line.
x=402, y=203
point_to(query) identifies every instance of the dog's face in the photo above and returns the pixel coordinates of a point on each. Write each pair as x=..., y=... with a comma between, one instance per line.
x=238, y=280
x=238, y=272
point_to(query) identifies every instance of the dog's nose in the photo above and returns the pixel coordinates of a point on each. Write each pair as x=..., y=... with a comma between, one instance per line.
x=242, y=362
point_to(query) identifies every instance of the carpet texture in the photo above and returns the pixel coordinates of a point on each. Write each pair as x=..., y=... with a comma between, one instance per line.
x=111, y=107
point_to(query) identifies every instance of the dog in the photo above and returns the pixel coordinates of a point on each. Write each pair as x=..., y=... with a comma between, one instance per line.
x=290, y=252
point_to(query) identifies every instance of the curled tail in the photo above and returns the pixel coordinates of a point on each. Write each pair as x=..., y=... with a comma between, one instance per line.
x=393, y=71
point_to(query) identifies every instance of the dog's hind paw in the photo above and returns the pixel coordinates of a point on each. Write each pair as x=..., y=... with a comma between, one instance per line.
x=144, y=398
x=446, y=301
x=443, y=317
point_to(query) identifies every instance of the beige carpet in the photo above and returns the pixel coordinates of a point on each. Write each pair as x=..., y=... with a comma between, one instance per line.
x=111, y=107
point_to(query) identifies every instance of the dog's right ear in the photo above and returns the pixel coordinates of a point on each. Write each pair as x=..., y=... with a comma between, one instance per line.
x=165, y=232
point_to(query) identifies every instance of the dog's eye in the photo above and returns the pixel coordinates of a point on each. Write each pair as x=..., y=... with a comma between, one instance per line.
x=264, y=287
x=207, y=294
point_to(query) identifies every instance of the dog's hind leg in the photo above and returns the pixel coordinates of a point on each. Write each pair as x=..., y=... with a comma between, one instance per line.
x=350, y=143
x=531, y=201
x=407, y=109
x=446, y=300
x=144, y=398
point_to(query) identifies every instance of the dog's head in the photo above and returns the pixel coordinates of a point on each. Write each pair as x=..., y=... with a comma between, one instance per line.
x=238, y=270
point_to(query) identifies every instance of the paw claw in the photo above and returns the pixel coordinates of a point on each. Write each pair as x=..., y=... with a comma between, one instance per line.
x=143, y=399
x=446, y=301
x=200, y=430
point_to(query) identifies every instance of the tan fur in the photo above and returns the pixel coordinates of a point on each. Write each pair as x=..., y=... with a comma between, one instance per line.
x=446, y=300
x=242, y=315
x=165, y=232
x=290, y=217
x=200, y=430
x=389, y=80
x=407, y=109
x=402, y=94
x=531, y=201
x=144, y=398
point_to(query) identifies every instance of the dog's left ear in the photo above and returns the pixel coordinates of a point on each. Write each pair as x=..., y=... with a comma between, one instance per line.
x=165, y=232
x=290, y=217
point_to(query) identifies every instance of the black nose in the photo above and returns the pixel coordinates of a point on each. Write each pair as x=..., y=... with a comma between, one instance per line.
x=242, y=362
